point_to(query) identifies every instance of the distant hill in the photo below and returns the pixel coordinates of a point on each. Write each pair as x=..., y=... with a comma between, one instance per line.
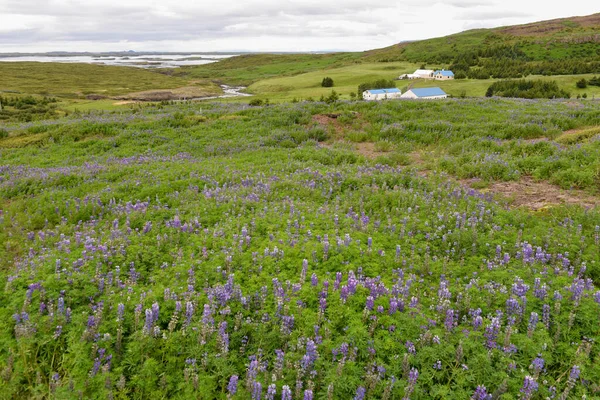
x=564, y=46
x=558, y=39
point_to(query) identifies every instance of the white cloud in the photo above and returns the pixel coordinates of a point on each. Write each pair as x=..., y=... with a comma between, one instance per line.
x=254, y=25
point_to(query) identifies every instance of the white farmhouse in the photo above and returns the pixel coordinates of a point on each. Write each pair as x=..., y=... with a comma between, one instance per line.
x=382, y=94
x=425, y=93
x=443, y=75
x=419, y=74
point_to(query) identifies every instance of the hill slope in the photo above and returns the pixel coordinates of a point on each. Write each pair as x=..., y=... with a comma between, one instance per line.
x=558, y=39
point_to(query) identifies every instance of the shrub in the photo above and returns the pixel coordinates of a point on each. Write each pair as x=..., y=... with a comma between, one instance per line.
x=3, y=133
x=527, y=89
x=582, y=83
x=327, y=82
x=255, y=102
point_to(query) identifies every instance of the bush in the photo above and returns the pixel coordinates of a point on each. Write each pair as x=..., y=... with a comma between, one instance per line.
x=255, y=102
x=3, y=133
x=582, y=83
x=526, y=89
x=327, y=82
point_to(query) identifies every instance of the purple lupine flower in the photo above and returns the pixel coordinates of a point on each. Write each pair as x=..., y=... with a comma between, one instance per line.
x=314, y=280
x=575, y=372
x=256, y=390
x=533, y=321
x=233, y=384
x=286, y=393
x=207, y=318
x=189, y=312
x=308, y=394
x=224, y=337
x=360, y=393
x=597, y=297
x=481, y=393
x=538, y=365
x=410, y=347
x=546, y=315
x=304, y=270
x=120, y=311
x=58, y=331
x=369, y=303
x=450, y=322
x=311, y=355
x=271, y=392
x=491, y=333
x=61, y=305
x=413, y=375
x=437, y=365
x=149, y=325
x=530, y=386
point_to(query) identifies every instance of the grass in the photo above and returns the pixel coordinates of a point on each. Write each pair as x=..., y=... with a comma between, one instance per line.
x=247, y=69
x=158, y=252
x=76, y=81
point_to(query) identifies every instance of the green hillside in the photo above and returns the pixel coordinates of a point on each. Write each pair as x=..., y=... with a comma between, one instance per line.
x=560, y=39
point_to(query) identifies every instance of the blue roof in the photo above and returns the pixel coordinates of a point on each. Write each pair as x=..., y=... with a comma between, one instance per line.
x=444, y=72
x=428, y=92
x=384, y=91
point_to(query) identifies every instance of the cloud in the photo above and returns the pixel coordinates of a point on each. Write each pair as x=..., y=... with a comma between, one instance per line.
x=491, y=15
x=277, y=25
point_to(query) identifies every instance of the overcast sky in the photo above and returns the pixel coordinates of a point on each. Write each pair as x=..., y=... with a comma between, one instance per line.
x=256, y=25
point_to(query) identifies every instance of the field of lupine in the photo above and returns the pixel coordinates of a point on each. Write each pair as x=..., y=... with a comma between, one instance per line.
x=219, y=251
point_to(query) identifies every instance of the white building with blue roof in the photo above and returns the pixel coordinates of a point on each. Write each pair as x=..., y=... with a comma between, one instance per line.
x=425, y=93
x=382, y=94
x=443, y=75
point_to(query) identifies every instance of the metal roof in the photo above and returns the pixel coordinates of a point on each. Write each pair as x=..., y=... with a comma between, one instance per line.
x=384, y=91
x=428, y=92
x=443, y=72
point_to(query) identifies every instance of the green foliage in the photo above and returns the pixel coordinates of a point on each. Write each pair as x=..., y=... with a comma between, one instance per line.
x=378, y=84
x=256, y=102
x=327, y=82
x=581, y=84
x=196, y=219
x=527, y=89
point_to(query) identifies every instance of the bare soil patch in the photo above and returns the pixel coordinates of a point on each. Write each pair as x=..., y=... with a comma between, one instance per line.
x=182, y=93
x=537, y=195
x=367, y=149
x=329, y=120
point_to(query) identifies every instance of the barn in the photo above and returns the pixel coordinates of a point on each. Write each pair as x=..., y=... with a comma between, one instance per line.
x=419, y=74
x=443, y=75
x=382, y=94
x=425, y=93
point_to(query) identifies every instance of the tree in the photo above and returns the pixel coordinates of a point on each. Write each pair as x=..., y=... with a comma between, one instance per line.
x=582, y=83
x=327, y=82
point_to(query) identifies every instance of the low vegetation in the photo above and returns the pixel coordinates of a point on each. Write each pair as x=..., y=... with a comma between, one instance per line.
x=527, y=89
x=198, y=250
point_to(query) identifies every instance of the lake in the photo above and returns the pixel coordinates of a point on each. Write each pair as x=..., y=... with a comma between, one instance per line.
x=134, y=60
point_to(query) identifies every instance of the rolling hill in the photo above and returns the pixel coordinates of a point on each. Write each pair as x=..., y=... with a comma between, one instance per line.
x=558, y=39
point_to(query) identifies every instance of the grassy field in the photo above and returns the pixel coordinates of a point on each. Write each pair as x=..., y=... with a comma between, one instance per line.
x=247, y=69
x=221, y=251
x=347, y=78
x=76, y=81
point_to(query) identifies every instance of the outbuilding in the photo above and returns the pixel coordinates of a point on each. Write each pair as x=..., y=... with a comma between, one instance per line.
x=425, y=93
x=382, y=94
x=443, y=75
x=419, y=74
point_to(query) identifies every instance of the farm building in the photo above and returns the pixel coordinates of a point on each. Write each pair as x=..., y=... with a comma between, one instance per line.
x=443, y=75
x=425, y=93
x=419, y=74
x=381, y=94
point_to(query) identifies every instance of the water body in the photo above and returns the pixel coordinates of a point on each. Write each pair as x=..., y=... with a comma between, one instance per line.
x=148, y=61
x=229, y=91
